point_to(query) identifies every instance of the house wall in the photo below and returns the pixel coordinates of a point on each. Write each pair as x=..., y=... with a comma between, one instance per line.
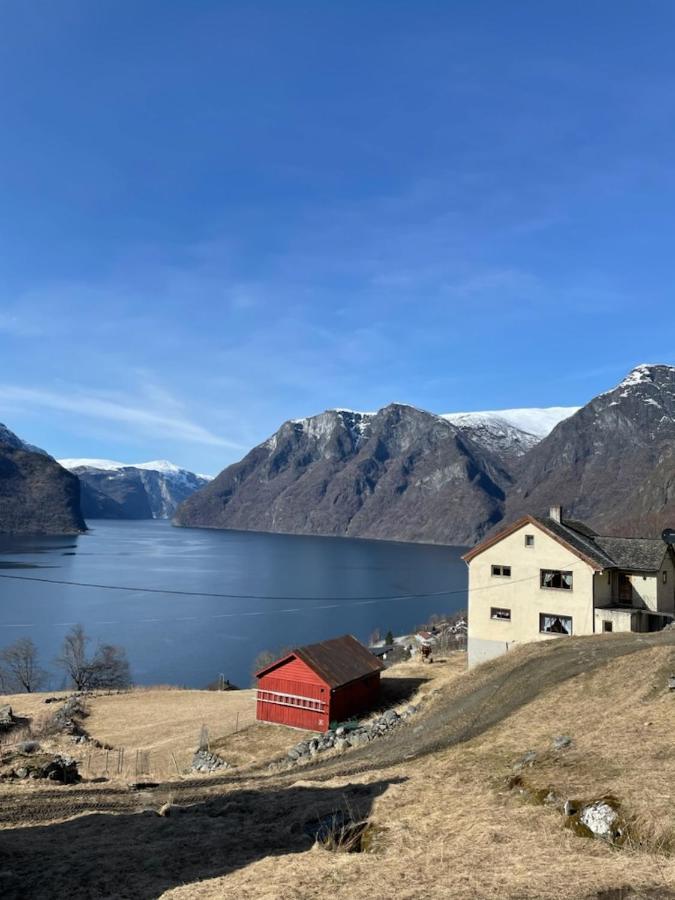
x=604, y=587
x=621, y=619
x=666, y=592
x=522, y=594
x=644, y=591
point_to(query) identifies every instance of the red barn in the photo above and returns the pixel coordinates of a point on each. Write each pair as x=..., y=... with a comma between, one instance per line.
x=318, y=684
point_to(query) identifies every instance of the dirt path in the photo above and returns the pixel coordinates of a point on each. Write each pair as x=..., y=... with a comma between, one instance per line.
x=482, y=699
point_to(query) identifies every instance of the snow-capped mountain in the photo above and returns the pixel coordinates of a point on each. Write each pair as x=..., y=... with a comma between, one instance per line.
x=149, y=490
x=510, y=432
x=611, y=464
x=398, y=474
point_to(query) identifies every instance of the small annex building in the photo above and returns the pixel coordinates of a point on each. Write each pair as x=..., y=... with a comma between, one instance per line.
x=315, y=685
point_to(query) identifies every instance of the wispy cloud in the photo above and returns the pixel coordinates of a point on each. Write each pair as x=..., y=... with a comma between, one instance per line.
x=102, y=407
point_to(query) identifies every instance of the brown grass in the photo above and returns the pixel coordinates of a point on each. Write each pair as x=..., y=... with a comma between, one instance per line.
x=449, y=825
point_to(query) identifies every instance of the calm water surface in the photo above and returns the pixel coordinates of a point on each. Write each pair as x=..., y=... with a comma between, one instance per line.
x=283, y=591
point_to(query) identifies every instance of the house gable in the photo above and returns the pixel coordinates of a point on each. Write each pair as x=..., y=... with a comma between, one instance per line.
x=540, y=524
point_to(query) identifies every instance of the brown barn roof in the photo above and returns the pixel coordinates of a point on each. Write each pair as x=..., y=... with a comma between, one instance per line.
x=338, y=661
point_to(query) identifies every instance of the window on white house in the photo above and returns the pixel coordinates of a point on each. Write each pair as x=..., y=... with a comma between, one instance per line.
x=554, y=578
x=549, y=624
x=504, y=571
x=529, y=540
x=498, y=613
x=606, y=626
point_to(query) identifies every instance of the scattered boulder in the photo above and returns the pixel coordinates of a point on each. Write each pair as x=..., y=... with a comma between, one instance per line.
x=603, y=820
x=526, y=761
x=6, y=717
x=204, y=761
x=562, y=742
x=55, y=768
x=62, y=769
x=28, y=747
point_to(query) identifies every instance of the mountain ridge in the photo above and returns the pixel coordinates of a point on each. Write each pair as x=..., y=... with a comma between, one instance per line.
x=37, y=495
x=150, y=490
x=342, y=473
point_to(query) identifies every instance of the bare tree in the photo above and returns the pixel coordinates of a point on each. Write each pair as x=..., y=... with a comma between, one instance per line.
x=110, y=668
x=107, y=668
x=21, y=667
x=266, y=658
x=73, y=659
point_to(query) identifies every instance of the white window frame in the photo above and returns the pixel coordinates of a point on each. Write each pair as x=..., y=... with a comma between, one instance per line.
x=543, y=615
x=500, y=609
x=498, y=571
x=562, y=573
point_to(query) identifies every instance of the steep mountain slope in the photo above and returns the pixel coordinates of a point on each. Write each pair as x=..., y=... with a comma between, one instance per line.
x=611, y=464
x=152, y=490
x=12, y=440
x=37, y=495
x=398, y=474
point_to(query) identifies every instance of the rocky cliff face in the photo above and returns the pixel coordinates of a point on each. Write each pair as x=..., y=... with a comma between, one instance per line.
x=612, y=464
x=37, y=495
x=112, y=490
x=399, y=474
x=403, y=474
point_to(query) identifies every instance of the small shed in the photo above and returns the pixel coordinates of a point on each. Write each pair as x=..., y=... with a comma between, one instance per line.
x=318, y=684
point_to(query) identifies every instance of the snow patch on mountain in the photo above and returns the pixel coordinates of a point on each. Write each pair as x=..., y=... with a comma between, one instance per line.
x=163, y=466
x=535, y=421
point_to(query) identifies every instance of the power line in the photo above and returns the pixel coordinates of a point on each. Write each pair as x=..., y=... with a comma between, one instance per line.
x=341, y=603
x=153, y=590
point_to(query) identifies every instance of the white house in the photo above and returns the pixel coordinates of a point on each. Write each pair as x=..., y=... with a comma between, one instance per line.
x=545, y=577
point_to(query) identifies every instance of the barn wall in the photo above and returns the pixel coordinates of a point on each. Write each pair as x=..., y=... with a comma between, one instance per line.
x=353, y=698
x=294, y=680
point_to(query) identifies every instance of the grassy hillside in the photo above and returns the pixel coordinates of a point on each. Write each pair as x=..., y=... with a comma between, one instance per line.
x=454, y=812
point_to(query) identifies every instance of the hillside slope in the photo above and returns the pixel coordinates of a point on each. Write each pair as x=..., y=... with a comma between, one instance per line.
x=399, y=474
x=611, y=464
x=455, y=809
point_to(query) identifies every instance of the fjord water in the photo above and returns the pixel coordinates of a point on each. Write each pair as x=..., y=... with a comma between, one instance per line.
x=282, y=591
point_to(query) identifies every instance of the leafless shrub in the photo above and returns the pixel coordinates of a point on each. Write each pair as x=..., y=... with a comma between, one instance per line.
x=265, y=658
x=107, y=669
x=19, y=667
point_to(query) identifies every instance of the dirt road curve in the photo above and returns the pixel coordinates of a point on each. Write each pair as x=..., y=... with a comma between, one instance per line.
x=484, y=698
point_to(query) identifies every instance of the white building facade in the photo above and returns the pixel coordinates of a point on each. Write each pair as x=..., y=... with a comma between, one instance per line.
x=546, y=577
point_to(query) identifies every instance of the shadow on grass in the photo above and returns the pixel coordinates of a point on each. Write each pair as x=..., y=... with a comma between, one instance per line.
x=143, y=854
x=397, y=690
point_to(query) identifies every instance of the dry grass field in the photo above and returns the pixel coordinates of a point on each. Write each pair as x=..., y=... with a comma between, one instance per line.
x=447, y=824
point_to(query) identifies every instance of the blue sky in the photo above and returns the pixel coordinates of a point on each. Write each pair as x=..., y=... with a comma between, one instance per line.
x=215, y=216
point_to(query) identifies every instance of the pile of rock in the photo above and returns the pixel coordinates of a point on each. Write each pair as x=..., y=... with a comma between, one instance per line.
x=56, y=768
x=204, y=761
x=67, y=718
x=343, y=738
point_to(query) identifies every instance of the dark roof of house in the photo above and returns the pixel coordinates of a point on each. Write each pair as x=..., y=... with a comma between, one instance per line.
x=640, y=554
x=338, y=661
x=579, y=540
x=633, y=554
